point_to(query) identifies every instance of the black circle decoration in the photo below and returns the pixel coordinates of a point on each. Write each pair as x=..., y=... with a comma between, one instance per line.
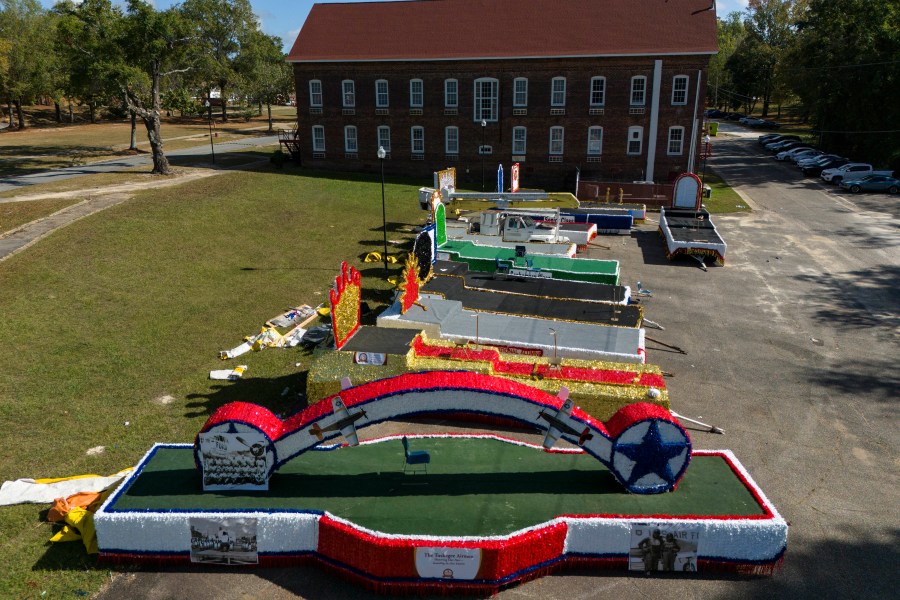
x=422, y=251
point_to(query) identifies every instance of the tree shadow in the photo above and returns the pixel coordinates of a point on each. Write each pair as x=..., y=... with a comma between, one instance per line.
x=861, y=299
x=264, y=391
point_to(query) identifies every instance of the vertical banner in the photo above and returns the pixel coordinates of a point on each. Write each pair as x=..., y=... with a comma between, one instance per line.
x=500, y=178
x=514, y=178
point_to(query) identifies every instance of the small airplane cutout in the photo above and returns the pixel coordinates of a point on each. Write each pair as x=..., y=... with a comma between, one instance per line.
x=559, y=424
x=345, y=423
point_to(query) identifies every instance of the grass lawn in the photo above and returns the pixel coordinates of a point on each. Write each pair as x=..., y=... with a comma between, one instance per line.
x=104, y=319
x=52, y=147
x=16, y=214
x=724, y=199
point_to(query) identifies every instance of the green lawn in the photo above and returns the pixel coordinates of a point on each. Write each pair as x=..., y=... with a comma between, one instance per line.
x=108, y=315
x=724, y=199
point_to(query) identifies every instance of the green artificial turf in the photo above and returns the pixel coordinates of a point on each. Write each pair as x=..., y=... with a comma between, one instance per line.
x=474, y=487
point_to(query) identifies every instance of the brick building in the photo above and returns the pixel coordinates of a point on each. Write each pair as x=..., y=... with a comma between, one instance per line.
x=613, y=88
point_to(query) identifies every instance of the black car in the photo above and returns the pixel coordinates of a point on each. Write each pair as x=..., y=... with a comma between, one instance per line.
x=768, y=125
x=733, y=116
x=715, y=114
x=816, y=169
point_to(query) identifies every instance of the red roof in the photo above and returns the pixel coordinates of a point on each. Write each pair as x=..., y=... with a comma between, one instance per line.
x=472, y=29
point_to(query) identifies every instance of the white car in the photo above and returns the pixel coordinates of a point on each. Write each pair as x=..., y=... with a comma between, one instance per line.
x=786, y=154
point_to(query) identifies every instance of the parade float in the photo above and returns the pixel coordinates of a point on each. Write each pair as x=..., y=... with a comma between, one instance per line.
x=687, y=227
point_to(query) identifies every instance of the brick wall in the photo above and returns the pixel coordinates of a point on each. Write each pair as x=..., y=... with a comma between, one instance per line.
x=536, y=169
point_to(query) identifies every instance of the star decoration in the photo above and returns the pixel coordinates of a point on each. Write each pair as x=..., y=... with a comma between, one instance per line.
x=652, y=455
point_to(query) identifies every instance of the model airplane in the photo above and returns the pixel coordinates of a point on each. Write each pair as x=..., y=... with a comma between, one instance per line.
x=345, y=422
x=559, y=423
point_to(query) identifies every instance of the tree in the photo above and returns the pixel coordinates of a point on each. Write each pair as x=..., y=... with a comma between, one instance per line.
x=770, y=27
x=845, y=69
x=26, y=28
x=264, y=73
x=729, y=32
x=220, y=28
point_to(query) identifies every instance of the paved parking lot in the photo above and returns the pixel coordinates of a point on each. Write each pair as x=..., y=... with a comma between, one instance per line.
x=791, y=348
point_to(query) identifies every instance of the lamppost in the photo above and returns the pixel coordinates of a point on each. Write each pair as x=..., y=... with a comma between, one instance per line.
x=481, y=151
x=381, y=155
x=212, y=148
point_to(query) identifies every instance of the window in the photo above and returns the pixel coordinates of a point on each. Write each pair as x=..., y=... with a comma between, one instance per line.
x=315, y=92
x=451, y=93
x=518, y=141
x=350, y=144
x=381, y=93
x=598, y=91
x=416, y=95
x=451, y=140
x=520, y=92
x=679, y=89
x=558, y=91
x=676, y=140
x=384, y=138
x=349, y=91
x=487, y=92
x=417, y=140
x=635, y=140
x=638, y=90
x=318, y=138
x=556, y=140
x=595, y=141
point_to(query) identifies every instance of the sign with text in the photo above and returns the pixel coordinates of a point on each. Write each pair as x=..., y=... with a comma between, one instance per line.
x=448, y=563
x=531, y=273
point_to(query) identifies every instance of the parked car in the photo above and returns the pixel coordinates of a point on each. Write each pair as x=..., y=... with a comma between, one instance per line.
x=872, y=183
x=749, y=121
x=796, y=158
x=768, y=125
x=733, y=116
x=715, y=113
x=784, y=145
x=816, y=168
x=790, y=152
x=851, y=170
x=772, y=138
x=821, y=158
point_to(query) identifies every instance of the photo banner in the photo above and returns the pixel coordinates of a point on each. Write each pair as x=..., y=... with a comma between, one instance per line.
x=514, y=178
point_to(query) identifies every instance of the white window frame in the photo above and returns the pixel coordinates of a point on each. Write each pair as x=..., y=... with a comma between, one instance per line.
x=635, y=134
x=680, y=141
x=493, y=111
x=417, y=146
x=384, y=138
x=638, y=92
x=451, y=140
x=316, y=147
x=680, y=88
x=557, y=140
x=520, y=97
x=351, y=139
x=416, y=96
x=378, y=94
x=594, y=101
x=348, y=93
x=595, y=146
x=516, y=149
x=451, y=97
x=313, y=83
x=558, y=91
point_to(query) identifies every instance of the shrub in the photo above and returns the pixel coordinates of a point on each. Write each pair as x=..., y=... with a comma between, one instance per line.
x=278, y=158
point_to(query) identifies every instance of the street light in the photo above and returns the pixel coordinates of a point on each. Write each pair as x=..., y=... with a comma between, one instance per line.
x=212, y=148
x=381, y=155
x=481, y=151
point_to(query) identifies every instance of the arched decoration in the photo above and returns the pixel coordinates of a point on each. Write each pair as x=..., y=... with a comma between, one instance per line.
x=688, y=188
x=411, y=283
x=440, y=222
x=644, y=447
x=346, y=297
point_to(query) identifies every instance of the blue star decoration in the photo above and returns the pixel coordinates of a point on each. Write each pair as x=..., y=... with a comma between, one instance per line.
x=651, y=455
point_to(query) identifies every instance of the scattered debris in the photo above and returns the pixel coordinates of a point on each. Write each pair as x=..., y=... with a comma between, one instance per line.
x=164, y=399
x=228, y=374
x=653, y=324
x=711, y=428
x=643, y=292
x=96, y=450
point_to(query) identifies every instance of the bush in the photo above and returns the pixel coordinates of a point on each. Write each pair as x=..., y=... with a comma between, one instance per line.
x=278, y=158
x=247, y=114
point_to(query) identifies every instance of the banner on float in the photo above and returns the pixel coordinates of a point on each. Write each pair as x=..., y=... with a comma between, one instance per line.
x=514, y=178
x=448, y=563
x=234, y=461
x=500, y=178
x=661, y=548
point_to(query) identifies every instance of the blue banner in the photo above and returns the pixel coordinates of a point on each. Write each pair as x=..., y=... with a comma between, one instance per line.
x=500, y=179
